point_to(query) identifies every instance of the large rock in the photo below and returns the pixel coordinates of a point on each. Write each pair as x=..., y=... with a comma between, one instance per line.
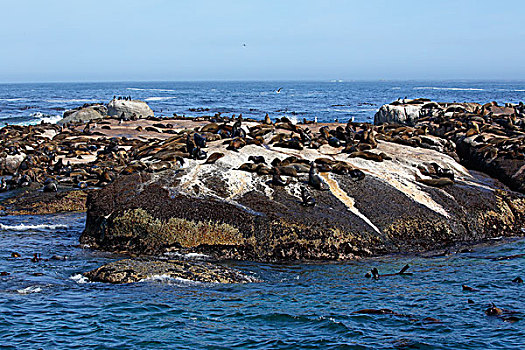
x=9, y=163
x=408, y=112
x=137, y=270
x=84, y=114
x=398, y=113
x=219, y=210
x=129, y=108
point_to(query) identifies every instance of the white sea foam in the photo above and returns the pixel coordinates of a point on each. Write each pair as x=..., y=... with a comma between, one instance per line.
x=29, y=290
x=139, y=89
x=13, y=99
x=40, y=117
x=157, y=278
x=23, y=227
x=170, y=280
x=77, y=100
x=159, y=98
x=80, y=279
x=194, y=256
x=447, y=88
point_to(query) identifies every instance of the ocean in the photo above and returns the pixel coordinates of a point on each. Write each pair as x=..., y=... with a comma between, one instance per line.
x=31, y=103
x=301, y=305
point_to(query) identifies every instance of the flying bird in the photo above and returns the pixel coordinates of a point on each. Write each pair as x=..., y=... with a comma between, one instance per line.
x=279, y=90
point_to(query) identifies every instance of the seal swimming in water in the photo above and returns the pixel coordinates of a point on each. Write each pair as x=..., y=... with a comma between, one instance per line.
x=493, y=311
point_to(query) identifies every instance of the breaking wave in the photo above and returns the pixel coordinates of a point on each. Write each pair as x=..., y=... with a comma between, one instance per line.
x=159, y=98
x=447, y=88
x=72, y=100
x=23, y=227
x=29, y=290
x=140, y=89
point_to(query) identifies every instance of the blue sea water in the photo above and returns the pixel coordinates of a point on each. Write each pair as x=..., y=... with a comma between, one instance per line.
x=49, y=305
x=297, y=306
x=30, y=103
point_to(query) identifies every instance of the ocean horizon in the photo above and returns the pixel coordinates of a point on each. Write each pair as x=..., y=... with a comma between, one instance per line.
x=26, y=103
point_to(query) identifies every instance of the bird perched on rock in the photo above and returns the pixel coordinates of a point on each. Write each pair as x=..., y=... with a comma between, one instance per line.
x=198, y=154
x=200, y=140
x=190, y=145
x=306, y=196
x=277, y=180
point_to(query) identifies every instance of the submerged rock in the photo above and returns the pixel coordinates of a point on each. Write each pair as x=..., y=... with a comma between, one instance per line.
x=136, y=270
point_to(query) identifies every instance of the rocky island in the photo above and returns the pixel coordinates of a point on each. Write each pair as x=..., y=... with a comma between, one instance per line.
x=425, y=176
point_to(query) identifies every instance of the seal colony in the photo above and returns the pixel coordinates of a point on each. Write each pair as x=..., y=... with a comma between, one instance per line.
x=239, y=188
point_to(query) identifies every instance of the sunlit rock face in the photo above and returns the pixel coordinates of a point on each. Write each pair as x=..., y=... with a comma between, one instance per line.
x=129, y=108
x=228, y=213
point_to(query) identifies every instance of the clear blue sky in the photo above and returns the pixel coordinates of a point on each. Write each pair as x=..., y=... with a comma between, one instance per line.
x=285, y=40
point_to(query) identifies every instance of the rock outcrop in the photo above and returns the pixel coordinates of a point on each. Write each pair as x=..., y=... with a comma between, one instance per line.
x=379, y=201
x=408, y=112
x=9, y=163
x=488, y=137
x=84, y=114
x=137, y=270
x=129, y=109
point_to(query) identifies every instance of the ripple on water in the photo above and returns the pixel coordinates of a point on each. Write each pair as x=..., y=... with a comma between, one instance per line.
x=297, y=306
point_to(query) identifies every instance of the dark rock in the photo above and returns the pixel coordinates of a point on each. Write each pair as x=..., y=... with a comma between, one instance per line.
x=136, y=270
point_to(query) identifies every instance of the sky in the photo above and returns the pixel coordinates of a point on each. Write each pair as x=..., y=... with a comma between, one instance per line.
x=131, y=40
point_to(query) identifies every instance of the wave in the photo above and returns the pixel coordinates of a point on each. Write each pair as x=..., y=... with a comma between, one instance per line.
x=39, y=117
x=79, y=278
x=170, y=280
x=72, y=100
x=159, y=98
x=46, y=118
x=23, y=227
x=447, y=88
x=140, y=89
x=29, y=290
x=13, y=99
x=192, y=256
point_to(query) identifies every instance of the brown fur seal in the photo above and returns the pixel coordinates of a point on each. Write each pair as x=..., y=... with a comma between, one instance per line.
x=440, y=182
x=214, y=157
x=366, y=155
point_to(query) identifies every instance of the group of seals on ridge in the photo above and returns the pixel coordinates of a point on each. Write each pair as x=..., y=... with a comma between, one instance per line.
x=486, y=137
x=491, y=136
